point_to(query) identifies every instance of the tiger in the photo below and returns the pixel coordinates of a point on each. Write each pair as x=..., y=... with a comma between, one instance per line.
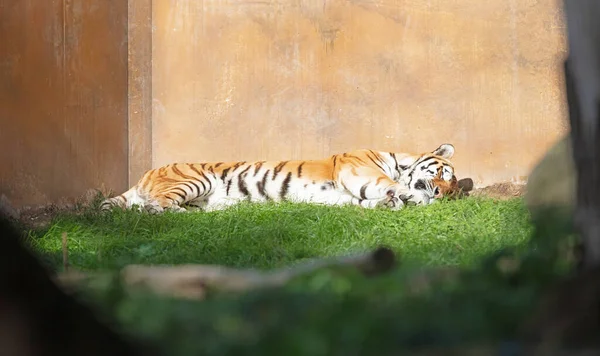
x=362, y=177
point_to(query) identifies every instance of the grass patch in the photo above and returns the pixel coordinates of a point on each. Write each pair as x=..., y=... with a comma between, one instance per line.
x=273, y=235
x=328, y=312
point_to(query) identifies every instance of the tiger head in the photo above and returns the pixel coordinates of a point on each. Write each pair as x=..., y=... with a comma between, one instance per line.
x=433, y=167
x=427, y=191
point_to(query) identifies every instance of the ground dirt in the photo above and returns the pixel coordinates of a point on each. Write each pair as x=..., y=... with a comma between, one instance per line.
x=40, y=216
x=500, y=191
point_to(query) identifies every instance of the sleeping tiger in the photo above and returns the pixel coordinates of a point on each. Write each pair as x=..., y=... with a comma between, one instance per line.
x=363, y=177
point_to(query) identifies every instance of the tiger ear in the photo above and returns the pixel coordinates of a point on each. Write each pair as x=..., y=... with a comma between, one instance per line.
x=445, y=150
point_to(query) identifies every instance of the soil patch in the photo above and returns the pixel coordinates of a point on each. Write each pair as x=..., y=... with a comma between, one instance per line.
x=502, y=191
x=39, y=217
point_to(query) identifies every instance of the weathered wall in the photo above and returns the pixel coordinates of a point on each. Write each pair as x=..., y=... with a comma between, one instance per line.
x=63, y=98
x=285, y=79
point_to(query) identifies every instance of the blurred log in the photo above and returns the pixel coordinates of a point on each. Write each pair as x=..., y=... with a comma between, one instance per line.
x=192, y=281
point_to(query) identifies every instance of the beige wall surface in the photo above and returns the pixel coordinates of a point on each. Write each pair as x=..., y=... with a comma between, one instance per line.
x=288, y=79
x=63, y=98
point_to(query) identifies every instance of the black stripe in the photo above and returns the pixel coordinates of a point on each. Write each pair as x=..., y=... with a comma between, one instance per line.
x=360, y=160
x=261, y=186
x=363, y=190
x=285, y=185
x=237, y=165
x=376, y=156
x=196, y=170
x=178, y=194
x=395, y=160
x=197, y=193
x=203, y=186
x=207, y=182
x=377, y=164
x=300, y=169
x=245, y=170
x=202, y=165
x=278, y=169
x=344, y=185
x=243, y=188
x=258, y=167
x=180, y=173
x=180, y=189
x=228, y=186
x=426, y=159
x=109, y=203
x=410, y=177
x=427, y=166
x=218, y=164
x=224, y=174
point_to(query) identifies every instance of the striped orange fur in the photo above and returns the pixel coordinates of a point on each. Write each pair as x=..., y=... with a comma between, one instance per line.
x=363, y=177
x=449, y=189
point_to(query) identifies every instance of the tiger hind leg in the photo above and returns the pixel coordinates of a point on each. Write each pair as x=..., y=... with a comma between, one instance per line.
x=161, y=205
x=124, y=201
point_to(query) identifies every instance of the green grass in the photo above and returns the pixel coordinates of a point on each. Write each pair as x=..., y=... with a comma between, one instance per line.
x=274, y=235
x=331, y=311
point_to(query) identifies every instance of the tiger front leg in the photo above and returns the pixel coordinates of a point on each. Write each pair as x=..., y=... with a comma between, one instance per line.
x=391, y=202
x=372, y=188
x=153, y=208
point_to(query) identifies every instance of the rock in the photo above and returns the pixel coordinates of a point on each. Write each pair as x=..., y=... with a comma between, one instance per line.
x=552, y=181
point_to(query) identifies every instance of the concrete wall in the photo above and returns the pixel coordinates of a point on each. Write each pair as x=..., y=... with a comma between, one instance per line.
x=94, y=92
x=245, y=80
x=63, y=98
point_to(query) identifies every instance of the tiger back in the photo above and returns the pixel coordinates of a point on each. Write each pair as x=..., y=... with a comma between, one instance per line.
x=362, y=177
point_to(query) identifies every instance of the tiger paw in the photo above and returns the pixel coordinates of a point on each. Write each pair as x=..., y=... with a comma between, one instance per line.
x=399, y=192
x=153, y=208
x=406, y=199
x=393, y=203
x=178, y=209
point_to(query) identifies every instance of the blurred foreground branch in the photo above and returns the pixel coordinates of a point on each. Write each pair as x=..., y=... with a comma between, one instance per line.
x=193, y=281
